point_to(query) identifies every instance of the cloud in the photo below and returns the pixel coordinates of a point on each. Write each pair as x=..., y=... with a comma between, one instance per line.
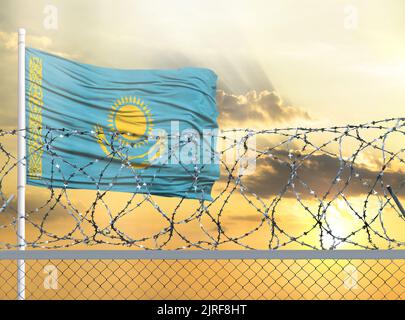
x=318, y=172
x=9, y=41
x=264, y=106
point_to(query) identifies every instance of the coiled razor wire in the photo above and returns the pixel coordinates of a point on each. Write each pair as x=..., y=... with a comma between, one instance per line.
x=307, y=176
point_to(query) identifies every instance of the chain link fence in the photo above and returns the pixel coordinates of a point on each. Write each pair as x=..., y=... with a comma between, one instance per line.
x=319, y=190
x=190, y=278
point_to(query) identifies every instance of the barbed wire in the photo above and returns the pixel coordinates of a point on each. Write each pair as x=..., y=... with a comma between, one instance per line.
x=314, y=188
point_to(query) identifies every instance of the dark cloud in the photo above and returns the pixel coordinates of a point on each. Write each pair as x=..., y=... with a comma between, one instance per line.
x=266, y=106
x=246, y=218
x=318, y=172
x=8, y=121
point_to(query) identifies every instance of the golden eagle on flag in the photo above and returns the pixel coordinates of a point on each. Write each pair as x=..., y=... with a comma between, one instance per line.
x=91, y=127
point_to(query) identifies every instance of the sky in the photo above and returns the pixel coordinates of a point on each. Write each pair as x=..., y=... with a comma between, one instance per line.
x=336, y=61
x=280, y=63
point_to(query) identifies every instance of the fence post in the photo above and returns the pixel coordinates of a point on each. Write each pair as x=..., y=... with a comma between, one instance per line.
x=21, y=169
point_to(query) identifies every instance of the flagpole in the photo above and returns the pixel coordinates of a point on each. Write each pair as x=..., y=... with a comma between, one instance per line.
x=21, y=169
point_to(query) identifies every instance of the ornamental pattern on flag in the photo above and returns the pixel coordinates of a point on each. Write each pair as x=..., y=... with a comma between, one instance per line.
x=91, y=127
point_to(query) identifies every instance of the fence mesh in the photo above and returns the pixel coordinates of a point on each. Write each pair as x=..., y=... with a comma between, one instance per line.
x=207, y=279
x=331, y=188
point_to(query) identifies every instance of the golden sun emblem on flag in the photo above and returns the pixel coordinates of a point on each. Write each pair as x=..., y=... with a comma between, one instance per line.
x=131, y=118
x=131, y=122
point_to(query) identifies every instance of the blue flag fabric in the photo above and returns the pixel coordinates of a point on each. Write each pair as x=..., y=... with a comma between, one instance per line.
x=90, y=127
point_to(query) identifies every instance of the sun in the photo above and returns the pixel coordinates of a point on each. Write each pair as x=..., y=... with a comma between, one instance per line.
x=131, y=118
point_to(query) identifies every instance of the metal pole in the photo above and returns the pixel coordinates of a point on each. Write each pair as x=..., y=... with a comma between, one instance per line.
x=21, y=169
x=396, y=200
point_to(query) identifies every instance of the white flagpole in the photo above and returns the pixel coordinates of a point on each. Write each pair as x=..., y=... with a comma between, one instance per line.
x=21, y=173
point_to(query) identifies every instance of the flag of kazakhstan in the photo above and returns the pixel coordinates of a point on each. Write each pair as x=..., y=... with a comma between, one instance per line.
x=138, y=131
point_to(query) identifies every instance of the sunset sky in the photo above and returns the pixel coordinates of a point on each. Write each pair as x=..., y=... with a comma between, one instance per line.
x=311, y=53
x=280, y=63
